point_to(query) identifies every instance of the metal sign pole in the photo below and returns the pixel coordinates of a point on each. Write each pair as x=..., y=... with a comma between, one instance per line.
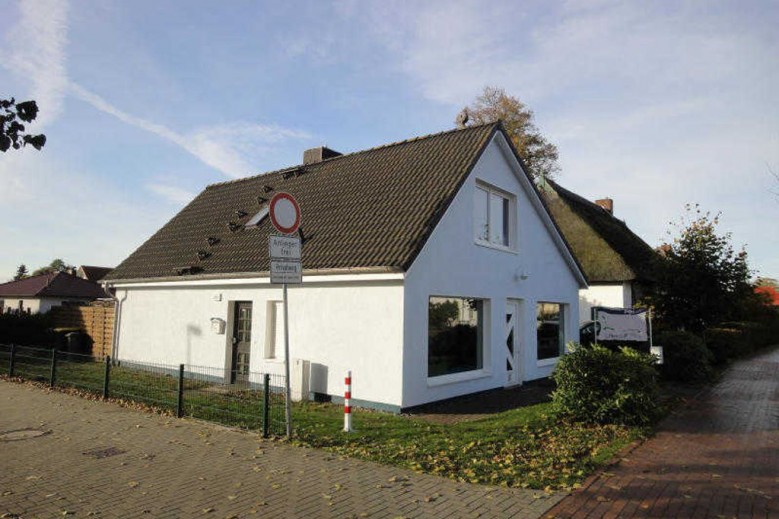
x=288, y=395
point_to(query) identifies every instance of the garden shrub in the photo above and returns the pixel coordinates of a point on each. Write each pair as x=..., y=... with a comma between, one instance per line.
x=756, y=335
x=686, y=357
x=25, y=329
x=725, y=343
x=598, y=385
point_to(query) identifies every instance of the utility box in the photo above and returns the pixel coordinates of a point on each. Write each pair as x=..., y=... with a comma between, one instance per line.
x=300, y=378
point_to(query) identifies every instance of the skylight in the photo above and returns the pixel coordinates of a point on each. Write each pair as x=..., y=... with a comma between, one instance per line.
x=255, y=220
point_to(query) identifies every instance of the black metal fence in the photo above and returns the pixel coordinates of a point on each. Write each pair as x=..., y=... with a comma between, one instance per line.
x=252, y=401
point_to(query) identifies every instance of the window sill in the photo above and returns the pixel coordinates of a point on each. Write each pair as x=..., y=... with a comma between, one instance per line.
x=442, y=380
x=547, y=362
x=501, y=248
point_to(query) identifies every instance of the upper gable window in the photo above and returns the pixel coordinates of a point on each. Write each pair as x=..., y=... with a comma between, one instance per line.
x=493, y=217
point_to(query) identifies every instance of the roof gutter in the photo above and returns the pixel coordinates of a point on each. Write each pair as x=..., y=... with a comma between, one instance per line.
x=397, y=272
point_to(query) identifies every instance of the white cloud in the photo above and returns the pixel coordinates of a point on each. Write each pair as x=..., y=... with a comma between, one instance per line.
x=172, y=194
x=36, y=52
x=226, y=147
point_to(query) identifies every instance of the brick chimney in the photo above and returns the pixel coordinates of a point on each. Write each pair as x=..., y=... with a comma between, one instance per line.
x=318, y=154
x=607, y=204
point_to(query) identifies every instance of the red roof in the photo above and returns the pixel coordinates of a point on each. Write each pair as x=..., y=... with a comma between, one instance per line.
x=55, y=284
x=771, y=292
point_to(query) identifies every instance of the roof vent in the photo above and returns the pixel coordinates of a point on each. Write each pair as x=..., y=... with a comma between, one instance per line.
x=607, y=204
x=319, y=154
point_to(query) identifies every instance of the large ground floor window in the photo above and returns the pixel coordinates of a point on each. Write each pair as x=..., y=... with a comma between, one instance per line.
x=550, y=330
x=455, y=335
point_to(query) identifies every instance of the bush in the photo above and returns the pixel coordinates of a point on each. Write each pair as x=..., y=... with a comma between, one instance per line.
x=756, y=335
x=686, y=357
x=25, y=329
x=598, y=385
x=725, y=343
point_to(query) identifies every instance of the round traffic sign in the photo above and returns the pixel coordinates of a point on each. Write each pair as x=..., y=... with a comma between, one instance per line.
x=284, y=213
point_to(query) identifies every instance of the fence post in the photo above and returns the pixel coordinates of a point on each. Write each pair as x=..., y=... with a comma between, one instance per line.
x=180, y=400
x=12, y=363
x=106, y=376
x=265, y=405
x=53, y=374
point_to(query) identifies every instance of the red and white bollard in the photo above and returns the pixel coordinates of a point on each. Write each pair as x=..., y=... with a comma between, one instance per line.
x=347, y=403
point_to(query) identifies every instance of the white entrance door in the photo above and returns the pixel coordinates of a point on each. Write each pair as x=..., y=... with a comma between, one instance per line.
x=511, y=340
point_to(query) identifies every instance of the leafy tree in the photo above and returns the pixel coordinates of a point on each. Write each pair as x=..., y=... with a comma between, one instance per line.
x=21, y=272
x=12, y=131
x=538, y=154
x=702, y=281
x=442, y=315
x=56, y=265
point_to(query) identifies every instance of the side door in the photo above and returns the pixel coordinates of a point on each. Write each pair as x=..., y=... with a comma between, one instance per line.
x=242, y=339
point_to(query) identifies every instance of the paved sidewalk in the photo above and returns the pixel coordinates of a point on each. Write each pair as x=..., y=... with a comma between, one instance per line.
x=101, y=460
x=718, y=457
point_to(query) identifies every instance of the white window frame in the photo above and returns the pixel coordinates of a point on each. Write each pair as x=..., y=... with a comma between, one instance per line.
x=512, y=217
x=485, y=370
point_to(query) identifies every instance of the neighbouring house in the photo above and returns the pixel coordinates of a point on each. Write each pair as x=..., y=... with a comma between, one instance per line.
x=431, y=269
x=92, y=273
x=618, y=264
x=39, y=294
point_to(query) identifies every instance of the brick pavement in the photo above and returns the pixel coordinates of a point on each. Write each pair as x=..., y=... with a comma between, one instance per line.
x=101, y=460
x=717, y=457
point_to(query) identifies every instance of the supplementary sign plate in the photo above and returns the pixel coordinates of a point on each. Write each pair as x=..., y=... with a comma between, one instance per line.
x=284, y=248
x=286, y=272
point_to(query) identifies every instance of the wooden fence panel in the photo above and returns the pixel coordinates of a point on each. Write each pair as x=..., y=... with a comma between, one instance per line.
x=97, y=321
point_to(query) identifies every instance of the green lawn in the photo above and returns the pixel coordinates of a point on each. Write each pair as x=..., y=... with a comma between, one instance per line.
x=525, y=447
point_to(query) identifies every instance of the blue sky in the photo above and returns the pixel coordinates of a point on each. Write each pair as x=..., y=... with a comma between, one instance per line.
x=655, y=104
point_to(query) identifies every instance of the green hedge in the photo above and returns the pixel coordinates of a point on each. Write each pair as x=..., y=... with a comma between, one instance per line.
x=598, y=385
x=26, y=329
x=725, y=344
x=686, y=357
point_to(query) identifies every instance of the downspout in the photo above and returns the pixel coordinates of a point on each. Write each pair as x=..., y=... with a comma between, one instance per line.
x=117, y=318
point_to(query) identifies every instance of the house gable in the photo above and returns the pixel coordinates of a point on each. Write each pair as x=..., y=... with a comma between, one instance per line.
x=453, y=264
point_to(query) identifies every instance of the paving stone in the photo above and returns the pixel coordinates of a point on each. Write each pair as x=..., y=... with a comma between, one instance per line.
x=185, y=468
x=716, y=457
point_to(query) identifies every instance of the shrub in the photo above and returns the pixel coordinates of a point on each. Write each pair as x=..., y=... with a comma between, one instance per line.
x=725, y=343
x=598, y=385
x=25, y=329
x=756, y=335
x=686, y=357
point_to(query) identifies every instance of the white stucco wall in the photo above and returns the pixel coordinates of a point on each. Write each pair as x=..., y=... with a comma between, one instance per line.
x=618, y=295
x=337, y=326
x=452, y=264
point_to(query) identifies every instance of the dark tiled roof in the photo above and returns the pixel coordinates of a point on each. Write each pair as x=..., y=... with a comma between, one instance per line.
x=94, y=273
x=374, y=208
x=54, y=284
x=606, y=248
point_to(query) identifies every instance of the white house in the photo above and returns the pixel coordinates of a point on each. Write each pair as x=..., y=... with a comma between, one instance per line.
x=432, y=269
x=618, y=263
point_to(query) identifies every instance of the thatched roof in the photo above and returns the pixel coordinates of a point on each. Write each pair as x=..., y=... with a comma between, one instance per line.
x=606, y=248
